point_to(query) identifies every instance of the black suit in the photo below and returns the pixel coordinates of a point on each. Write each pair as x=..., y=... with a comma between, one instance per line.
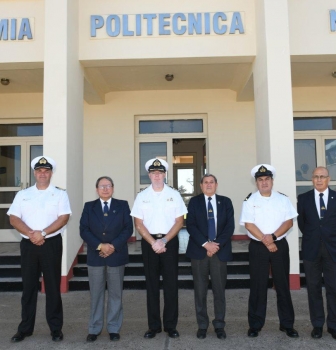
x=202, y=265
x=319, y=255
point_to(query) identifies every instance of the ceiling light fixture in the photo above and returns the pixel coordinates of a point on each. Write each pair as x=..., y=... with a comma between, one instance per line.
x=5, y=81
x=169, y=77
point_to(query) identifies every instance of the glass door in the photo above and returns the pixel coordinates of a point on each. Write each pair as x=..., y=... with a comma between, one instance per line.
x=15, y=175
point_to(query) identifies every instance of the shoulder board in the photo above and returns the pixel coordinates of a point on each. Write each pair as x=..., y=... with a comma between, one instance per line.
x=247, y=197
x=142, y=189
x=282, y=194
x=173, y=188
x=59, y=188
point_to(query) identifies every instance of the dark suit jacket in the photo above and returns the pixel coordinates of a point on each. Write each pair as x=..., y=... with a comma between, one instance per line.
x=115, y=230
x=197, y=226
x=313, y=229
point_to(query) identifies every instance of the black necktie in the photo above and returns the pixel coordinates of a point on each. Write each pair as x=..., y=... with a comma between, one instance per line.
x=106, y=209
x=323, y=208
x=211, y=222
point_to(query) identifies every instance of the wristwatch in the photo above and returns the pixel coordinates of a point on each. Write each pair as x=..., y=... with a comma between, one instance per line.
x=43, y=233
x=164, y=240
x=274, y=237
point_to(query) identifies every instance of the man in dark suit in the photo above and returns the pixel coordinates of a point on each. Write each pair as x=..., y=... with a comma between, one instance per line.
x=105, y=226
x=317, y=222
x=210, y=223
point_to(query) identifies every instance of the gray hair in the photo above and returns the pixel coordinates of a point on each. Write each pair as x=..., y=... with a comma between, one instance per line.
x=104, y=177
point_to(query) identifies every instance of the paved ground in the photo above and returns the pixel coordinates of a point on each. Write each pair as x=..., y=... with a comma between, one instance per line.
x=76, y=309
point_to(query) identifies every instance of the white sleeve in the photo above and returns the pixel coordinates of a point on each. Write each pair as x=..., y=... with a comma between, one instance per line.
x=181, y=209
x=64, y=204
x=15, y=208
x=291, y=213
x=136, y=210
x=247, y=214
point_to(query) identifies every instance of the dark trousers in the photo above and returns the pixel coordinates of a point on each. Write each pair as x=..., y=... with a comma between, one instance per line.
x=167, y=265
x=47, y=259
x=218, y=273
x=313, y=270
x=260, y=261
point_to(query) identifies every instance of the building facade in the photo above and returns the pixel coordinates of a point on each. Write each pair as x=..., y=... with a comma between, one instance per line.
x=102, y=86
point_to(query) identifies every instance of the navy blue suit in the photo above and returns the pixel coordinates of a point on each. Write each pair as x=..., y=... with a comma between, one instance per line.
x=319, y=256
x=116, y=228
x=202, y=264
x=197, y=226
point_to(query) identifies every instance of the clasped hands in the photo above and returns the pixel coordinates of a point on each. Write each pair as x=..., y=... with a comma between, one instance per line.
x=211, y=248
x=36, y=237
x=106, y=250
x=159, y=246
x=269, y=243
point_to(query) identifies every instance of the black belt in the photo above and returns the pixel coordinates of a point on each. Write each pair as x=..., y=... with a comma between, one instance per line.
x=158, y=235
x=48, y=239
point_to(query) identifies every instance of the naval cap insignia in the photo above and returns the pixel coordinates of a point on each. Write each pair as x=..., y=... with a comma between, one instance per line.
x=42, y=161
x=156, y=162
x=262, y=169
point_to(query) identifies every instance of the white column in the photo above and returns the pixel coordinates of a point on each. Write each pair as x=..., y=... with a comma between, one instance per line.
x=273, y=107
x=63, y=114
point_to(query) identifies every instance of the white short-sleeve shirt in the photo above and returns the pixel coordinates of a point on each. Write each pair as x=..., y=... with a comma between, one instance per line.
x=40, y=208
x=267, y=213
x=158, y=210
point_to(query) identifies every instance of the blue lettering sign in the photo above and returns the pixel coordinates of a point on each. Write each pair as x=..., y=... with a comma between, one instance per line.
x=4, y=29
x=109, y=30
x=207, y=23
x=97, y=22
x=138, y=25
x=126, y=31
x=194, y=23
x=236, y=24
x=333, y=20
x=13, y=29
x=217, y=29
x=176, y=29
x=149, y=17
x=25, y=29
x=163, y=24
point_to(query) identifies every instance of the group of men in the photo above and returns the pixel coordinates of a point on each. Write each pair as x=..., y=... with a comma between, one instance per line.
x=41, y=212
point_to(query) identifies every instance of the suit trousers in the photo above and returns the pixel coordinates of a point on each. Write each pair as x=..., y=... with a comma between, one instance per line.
x=218, y=273
x=98, y=276
x=167, y=265
x=313, y=270
x=47, y=259
x=260, y=261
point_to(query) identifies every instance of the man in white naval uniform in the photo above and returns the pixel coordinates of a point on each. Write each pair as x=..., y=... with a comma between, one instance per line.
x=40, y=213
x=268, y=215
x=158, y=216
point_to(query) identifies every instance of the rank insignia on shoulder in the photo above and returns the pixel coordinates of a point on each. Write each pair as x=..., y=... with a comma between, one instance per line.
x=283, y=194
x=247, y=197
x=62, y=189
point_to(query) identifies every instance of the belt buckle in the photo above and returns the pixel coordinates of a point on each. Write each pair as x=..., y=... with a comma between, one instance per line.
x=159, y=235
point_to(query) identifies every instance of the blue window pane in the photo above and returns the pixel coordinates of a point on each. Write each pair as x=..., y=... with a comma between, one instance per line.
x=9, y=130
x=305, y=159
x=324, y=123
x=170, y=126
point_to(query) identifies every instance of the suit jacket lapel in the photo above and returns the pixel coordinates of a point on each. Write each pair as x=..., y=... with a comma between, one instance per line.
x=331, y=202
x=98, y=210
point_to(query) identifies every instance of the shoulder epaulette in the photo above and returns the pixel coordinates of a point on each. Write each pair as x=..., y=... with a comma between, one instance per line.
x=59, y=188
x=247, y=197
x=173, y=188
x=283, y=194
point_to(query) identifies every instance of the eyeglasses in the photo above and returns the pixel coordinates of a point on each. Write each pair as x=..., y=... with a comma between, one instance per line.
x=105, y=187
x=321, y=177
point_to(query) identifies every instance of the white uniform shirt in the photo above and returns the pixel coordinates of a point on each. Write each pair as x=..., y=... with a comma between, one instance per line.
x=158, y=210
x=40, y=208
x=267, y=213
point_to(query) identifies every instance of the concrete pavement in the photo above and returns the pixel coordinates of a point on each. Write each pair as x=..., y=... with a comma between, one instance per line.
x=76, y=312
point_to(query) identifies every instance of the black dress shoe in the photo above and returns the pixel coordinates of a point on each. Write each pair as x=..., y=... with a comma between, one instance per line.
x=220, y=333
x=172, y=332
x=151, y=333
x=114, y=336
x=56, y=335
x=201, y=333
x=19, y=336
x=92, y=337
x=253, y=332
x=316, y=332
x=291, y=332
x=332, y=332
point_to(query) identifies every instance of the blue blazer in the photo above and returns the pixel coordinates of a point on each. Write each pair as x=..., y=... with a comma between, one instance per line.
x=197, y=226
x=116, y=229
x=313, y=229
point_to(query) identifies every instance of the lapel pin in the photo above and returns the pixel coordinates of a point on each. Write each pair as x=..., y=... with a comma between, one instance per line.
x=218, y=202
x=332, y=197
x=114, y=211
